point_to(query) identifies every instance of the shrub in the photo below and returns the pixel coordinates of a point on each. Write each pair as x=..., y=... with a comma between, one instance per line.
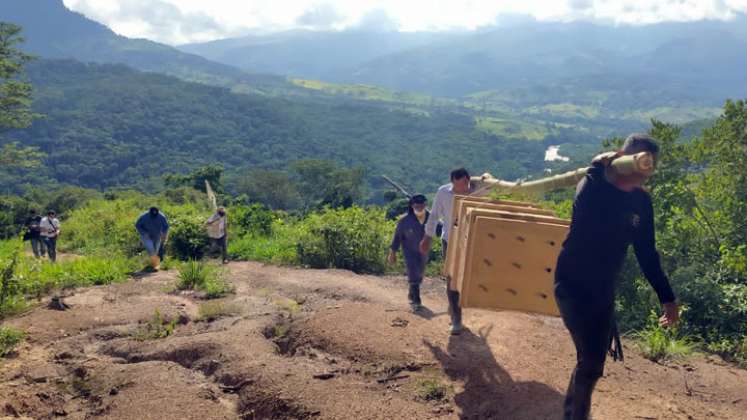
x=279, y=247
x=353, y=239
x=197, y=275
x=187, y=237
x=9, y=339
x=157, y=327
x=657, y=343
x=255, y=219
x=431, y=390
x=210, y=311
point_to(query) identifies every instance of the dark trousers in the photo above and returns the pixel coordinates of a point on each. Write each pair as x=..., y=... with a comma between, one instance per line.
x=455, y=311
x=51, y=244
x=589, y=322
x=222, y=245
x=37, y=246
x=414, y=294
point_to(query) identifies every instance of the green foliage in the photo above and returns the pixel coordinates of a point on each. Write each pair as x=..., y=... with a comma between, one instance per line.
x=212, y=310
x=431, y=389
x=280, y=247
x=198, y=275
x=9, y=339
x=355, y=239
x=10, y=253
x=11, y=154
x=132, y=117
x=157, y=327
x=13, y=214
x=196, y=179
x=15, y=95
x=26, y=277
x=255, y=219
x=269, y=187
x=658, y=343
x=187, y=237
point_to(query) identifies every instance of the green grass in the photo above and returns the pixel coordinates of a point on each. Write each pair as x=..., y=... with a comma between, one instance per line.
x=199, y=275
x=26, y=278
x=512, y=128
x=431, y=389
x=658, y=344
x=210, y=311
x=9, y=339
x=157, y=327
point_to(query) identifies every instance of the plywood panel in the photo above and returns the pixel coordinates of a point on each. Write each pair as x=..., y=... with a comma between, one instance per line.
x=509, y=264
x=460, y=206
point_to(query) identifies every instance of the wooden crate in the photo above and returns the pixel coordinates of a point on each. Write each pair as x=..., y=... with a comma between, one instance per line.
x=509, y=264
x=461, y=204
x=502, y=255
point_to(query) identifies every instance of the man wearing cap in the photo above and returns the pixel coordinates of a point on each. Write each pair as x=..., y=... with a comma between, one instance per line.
x=49, y=229
x=153, y=228
x=408, y=235
x=610, y=212
x=217, y=232
x=441, y=212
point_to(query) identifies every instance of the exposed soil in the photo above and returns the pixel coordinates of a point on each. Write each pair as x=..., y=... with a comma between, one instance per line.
x=325, y=344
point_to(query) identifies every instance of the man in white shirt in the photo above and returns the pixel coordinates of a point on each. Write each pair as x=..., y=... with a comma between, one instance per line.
x=216, y=230
x=49, y=229
x=441, y=212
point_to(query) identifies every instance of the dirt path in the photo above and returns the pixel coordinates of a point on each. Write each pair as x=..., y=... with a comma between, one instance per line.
x=327, y=344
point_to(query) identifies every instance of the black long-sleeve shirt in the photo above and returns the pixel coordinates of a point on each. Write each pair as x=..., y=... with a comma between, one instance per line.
x=606, y=220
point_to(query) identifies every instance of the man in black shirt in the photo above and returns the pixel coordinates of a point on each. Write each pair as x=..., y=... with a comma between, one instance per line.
x=34, y=234
x=610, y=212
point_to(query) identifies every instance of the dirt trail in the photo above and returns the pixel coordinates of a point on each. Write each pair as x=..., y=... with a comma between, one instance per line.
x=326, y=344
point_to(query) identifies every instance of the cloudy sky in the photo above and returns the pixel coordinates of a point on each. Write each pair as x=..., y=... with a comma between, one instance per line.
x=181, y=21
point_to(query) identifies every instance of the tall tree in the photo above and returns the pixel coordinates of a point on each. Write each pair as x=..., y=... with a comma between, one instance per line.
x=15, y=97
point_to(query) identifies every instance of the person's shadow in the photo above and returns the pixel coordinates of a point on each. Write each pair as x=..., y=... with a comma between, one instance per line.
x=489, y=391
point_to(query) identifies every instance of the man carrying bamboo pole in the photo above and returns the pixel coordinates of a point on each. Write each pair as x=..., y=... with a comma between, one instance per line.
x=441, y=212
x=610, y=212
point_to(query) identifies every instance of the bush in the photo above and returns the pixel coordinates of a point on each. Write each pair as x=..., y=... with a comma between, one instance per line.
x=9, y=339
x=279, y=247
x=157, y=327
x=657, y=343
x=353, y=239
x=104, y=227
x=187, y=237
x=255, y=219
x=197, y=275
x=210, y=311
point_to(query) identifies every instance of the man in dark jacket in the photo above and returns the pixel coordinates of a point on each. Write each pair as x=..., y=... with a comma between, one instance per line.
x=610, y=212
x=33, y=233
x=408, y=235
x=153, y=228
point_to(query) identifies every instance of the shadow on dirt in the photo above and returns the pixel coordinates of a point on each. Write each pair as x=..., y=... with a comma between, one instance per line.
x=489, y=391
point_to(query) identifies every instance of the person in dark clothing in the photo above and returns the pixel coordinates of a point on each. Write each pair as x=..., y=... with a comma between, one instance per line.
x=153, y=228
x=610, y=212
x=33, y=232
x=408, y=235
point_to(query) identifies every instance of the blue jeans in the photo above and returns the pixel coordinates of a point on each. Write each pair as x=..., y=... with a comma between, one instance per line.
x=152, y=246
x=37, y=245
x=455, y=311
x=51, y=244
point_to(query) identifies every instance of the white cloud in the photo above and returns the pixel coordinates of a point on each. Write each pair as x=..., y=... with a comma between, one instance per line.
x=177, y=21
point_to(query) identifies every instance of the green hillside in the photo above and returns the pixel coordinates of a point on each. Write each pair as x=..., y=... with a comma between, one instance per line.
x=108, y=125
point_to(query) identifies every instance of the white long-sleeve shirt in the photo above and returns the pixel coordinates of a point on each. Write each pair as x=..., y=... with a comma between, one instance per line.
x=49, y=228
x=441, y=211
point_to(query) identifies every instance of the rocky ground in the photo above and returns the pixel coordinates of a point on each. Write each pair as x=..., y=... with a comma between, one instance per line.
x=323, y=344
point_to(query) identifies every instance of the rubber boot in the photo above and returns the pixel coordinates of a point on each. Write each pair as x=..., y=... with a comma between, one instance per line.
x=155, y=262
